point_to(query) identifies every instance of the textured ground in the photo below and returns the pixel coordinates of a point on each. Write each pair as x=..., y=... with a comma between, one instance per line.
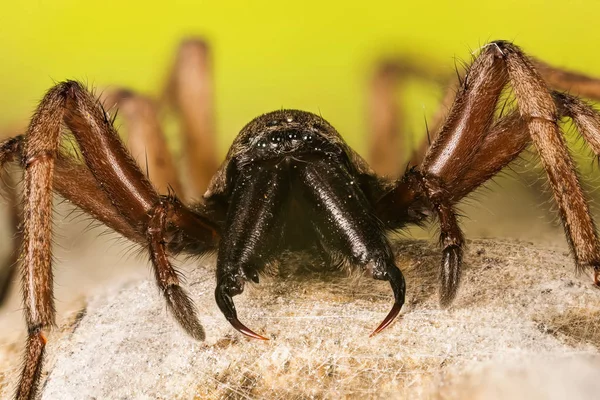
x=523, y=327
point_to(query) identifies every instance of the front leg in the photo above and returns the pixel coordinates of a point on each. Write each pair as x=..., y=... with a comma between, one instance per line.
x=447, y=160
x=115, y=173
x=471, y=148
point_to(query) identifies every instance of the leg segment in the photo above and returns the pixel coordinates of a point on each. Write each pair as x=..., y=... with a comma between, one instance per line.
x=345, y=225
x=586, y=119
x=36, y=274
x=167, y=277
x=470, y=117
x=457, y=143
x=451, y=237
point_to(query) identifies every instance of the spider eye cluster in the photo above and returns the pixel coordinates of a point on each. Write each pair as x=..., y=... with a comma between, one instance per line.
x=285, y=139
x=285, y=142
x=285, y=135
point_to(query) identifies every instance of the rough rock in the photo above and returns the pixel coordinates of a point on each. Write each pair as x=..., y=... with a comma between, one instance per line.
x=524, y=326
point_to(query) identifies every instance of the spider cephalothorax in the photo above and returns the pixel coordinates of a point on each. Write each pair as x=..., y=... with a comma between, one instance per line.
x=290, y=183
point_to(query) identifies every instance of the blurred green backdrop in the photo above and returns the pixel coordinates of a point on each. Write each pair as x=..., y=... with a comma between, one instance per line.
x=312, y=55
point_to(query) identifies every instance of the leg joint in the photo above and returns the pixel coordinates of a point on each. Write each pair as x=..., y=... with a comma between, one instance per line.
x=41, y=156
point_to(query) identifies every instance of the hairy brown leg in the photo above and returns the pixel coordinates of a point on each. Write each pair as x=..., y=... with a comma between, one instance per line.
x=509, y=136
x=537, y=107
x=36, y=276
x=75, y=182
x=463, y=137
x=190, y=93
x=146, y=140
x=469, y=149
x=385, y=114
x=116, y=174
x=470, y=116
x=167, y=277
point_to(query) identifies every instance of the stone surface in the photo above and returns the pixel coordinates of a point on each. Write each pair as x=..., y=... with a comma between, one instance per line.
x=524, y=326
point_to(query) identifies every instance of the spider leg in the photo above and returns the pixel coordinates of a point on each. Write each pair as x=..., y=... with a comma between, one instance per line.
x=145, y=138
x=509, y=136
x=469, y=149
x=190, y=93
x=167, y=277
x=470, y=116
x=114, y=172
x=537, y=107
x=585, y=117
x=386, y=117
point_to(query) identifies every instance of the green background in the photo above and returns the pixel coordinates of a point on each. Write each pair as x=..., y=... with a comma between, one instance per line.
x=312, y=55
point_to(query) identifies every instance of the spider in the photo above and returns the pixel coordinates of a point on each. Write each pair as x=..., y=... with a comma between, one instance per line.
x=290, y=183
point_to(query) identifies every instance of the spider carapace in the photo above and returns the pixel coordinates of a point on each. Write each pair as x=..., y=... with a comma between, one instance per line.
x=290, y=182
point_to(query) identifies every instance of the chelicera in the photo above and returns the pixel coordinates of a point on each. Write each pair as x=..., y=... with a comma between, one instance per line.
x=291, y=183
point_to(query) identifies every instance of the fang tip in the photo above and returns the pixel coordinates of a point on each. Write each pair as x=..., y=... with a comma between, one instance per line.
x=388, y=319
x=243, y=329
